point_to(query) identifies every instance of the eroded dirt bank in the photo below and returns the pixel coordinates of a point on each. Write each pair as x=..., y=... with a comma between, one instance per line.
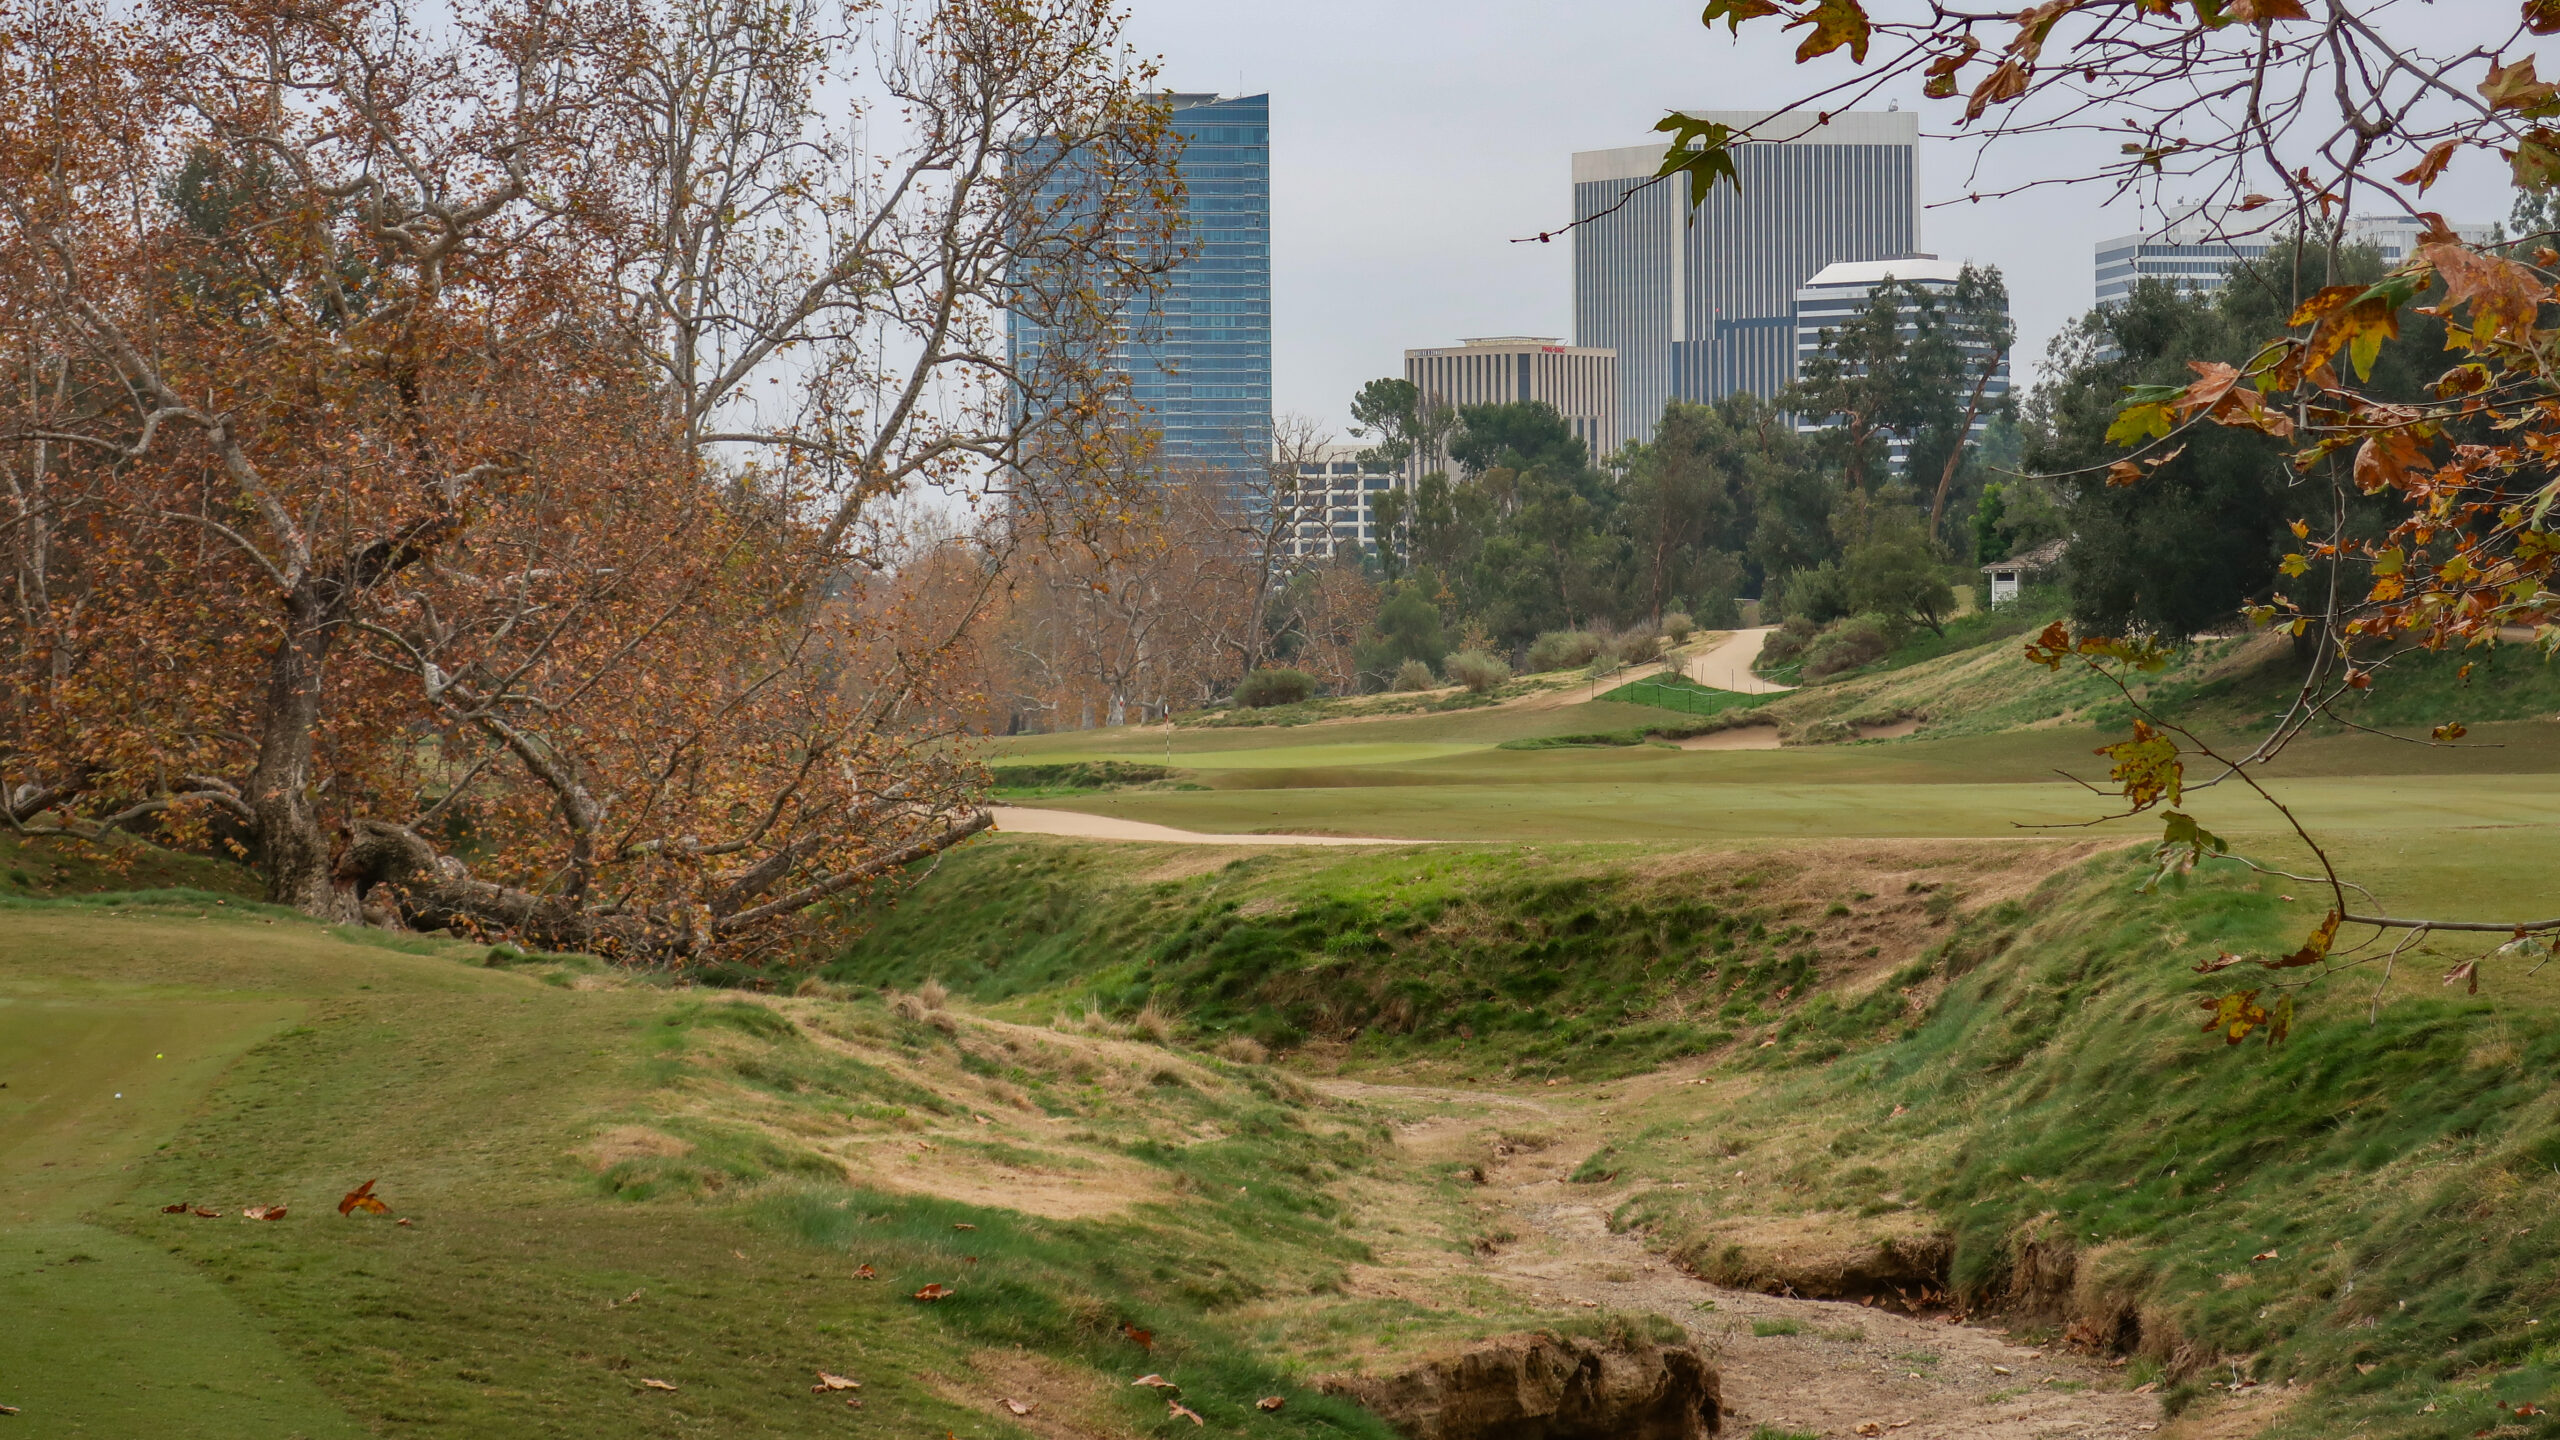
x=1820, y=1367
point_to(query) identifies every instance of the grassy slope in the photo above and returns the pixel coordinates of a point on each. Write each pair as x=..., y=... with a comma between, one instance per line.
x=564, y=1143
x=2033, y=1086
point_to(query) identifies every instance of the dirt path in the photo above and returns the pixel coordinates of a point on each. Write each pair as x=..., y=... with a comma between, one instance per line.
x=1728, y=665
x=1825, y=1368
x=1027, y=820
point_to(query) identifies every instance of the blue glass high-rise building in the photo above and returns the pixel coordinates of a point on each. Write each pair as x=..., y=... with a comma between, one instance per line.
x=1198, y=356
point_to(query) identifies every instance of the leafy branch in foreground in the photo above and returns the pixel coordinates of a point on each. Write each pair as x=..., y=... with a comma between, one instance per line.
x=2266, y=119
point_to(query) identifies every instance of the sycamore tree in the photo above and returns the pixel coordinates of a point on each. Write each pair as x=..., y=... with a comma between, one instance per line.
x=459, y=460
x=2283, y=118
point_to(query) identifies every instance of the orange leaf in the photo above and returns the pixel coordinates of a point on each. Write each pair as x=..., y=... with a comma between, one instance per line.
x=958, y=1225
x=1155, y=1382
x=2515, y=87
x=2262, y=12
x=208, y=1212
x=2124, y=472
x=1146, y=1338
x=263, y=1212
x=2424, y=173
x=865, y=1272
x=1269, y=1403
x=2451, y=730
x=827, y=1382
x=2314, y=950
x=936, y=1291
x=181, y=1208
x=363, y=1198
x=2468, y=970
x=2504, y=296
x=1174, y=1408
x=2264, y=1255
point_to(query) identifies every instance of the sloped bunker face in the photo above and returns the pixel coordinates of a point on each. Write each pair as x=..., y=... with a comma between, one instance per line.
x=1548, y=1387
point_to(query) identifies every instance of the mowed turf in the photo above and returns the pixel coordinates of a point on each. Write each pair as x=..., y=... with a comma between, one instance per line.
x=274, y=1063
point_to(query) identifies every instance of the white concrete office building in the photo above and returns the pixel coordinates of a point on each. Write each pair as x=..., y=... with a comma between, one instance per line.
x=1700, y=304
x=2197, y=253
x=1837, y=292
x=1580, y=381
x=1337, y=503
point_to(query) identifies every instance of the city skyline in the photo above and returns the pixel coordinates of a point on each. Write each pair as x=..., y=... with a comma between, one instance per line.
x=1407, y=196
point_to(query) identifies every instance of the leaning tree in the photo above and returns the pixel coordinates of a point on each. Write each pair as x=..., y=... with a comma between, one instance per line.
x=459, y=459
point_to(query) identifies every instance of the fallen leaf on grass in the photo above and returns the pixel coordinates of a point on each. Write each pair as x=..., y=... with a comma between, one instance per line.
x=1173, y=1408
x=865, y=1272
x=1155, y=1382
x=1016, y=1406
x=181, y=1208
x=853, y=1404
x=1269, y=1403
x=208, y=1212
x=2263, y=1255
x=8, y=1409
x=406, y=1223
x=263, y=1212
x=655, y=1385
x=1870, y=1427
x=1145, y=1339
x=2366, y=1368
x=363, y=1198
x=2002, y=1370
x=962, y=1225
x=827, y=1382
x=936, y=1291
x=2527, y=1407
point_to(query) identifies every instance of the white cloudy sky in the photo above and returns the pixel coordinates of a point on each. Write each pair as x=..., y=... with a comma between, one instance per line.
x=1412, y=139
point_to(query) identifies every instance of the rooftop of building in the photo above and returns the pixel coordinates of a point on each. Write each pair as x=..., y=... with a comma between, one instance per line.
x=1845, y=274
x=1778, y=127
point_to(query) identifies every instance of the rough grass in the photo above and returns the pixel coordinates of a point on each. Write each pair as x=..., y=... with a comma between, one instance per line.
x=543, y=1279
x=1569, y=963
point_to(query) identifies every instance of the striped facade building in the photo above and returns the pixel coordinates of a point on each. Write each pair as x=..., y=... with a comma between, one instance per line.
x=1698, y=304
x=1838, y=292
x=1580, y=381
x=2197, y=253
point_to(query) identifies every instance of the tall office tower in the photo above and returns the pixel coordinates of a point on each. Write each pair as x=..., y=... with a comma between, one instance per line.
x=2194, y=254
x=1198, y=356
x=1837, y=292
x=1701, y=303
x=1580, y=381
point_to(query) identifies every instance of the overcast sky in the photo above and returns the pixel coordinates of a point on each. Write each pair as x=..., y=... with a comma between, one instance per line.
x=1411, y=140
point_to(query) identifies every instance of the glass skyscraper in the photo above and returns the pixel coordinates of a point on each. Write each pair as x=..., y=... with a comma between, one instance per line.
x=1701, y=303
x=1199, y=357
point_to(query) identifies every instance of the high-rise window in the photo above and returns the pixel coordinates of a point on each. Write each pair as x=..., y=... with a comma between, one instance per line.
x=1198, y=357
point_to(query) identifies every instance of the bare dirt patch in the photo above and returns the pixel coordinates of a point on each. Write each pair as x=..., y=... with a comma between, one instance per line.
x=1741, y=737
x=1039, y=1396
x=1792, y=1364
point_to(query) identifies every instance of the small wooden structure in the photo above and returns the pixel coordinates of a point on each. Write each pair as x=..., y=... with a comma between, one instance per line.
x=2008, y=576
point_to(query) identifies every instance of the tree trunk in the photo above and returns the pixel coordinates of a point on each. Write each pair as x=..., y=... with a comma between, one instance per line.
x=1955, y=457
x=292, y=844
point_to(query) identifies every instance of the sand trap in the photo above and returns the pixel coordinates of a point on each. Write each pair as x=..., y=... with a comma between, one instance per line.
x=1024, y=820
x=1745, y=737
x=1728, y=666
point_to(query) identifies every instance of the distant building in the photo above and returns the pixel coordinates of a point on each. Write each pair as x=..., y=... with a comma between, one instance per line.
x=1699, y=304
x=1199, y=358
x=1837, y=292
x=2194, y=254
x=1580, y=381
x=1337, y=503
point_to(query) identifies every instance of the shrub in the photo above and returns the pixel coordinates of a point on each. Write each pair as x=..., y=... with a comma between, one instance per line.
x=1786, y=642
x=1414, y=675
x=1477, y=670
x=1636, y=647
x=1820, y=595
x=1564, y=650
x=1243, y=1050
x=1265, y=688
x=1859, y=640
x=1677, y=627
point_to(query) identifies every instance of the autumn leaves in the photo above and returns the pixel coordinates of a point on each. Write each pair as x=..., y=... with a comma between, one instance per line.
x=360, y=1200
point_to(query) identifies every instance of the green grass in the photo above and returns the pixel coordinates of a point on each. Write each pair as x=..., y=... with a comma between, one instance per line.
x=1680, y=693
x=1764, y=1329
x=280, y=1064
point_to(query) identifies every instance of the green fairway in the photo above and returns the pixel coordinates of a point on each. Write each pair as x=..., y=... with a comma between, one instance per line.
x=1269, y=757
